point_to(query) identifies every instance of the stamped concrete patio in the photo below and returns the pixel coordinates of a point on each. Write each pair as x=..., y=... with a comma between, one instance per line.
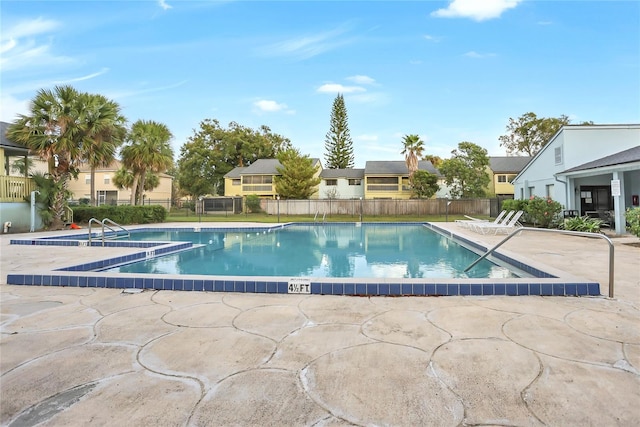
x=78, y=356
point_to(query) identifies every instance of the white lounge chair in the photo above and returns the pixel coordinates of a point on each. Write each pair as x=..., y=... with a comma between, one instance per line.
x=466, y=223
x=505, y=226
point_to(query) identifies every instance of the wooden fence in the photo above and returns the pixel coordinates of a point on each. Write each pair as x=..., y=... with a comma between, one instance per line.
x=15, y=188
x=356, y=207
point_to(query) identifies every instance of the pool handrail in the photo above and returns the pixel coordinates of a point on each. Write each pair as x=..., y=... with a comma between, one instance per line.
x=113, y=230
x=103, y=225
x=548, y=230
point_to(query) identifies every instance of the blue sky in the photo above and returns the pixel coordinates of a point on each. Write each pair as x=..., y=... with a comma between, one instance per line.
x=449, y=71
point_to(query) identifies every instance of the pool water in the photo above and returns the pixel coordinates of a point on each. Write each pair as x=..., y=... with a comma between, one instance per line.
x=327, y=250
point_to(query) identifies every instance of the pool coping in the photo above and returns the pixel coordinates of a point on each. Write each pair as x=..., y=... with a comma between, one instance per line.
x=545, y=281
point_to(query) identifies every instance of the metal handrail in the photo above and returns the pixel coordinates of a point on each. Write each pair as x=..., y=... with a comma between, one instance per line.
x=97, y=222
x=315, y=217
x=324, y=215
x=546, y=230
x=115, y=231
x=103, y=225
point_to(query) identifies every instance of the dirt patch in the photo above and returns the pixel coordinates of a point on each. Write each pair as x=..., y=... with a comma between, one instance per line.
x=635, y=245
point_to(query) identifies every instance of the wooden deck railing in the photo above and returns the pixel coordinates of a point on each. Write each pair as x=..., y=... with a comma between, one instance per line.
x=15, y=188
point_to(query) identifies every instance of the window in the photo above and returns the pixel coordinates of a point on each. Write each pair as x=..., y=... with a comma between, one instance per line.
x=257, y=179
x=549, y=190
x=531, y=191
x=382, y=184
x=107, y=179
x=502, y=178
x=236, y=181
x=355, y=182
x=558, y=155
x=87, y=179
x=331, y=181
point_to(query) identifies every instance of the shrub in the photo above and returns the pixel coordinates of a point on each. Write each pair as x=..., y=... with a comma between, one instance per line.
x=253, y=203
x=123, y=215
x=542, y=211
x=583, y=223
x=513, y=205
x=633, y=219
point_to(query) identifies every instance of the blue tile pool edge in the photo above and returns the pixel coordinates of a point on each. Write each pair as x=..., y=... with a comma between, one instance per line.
x=542, y=284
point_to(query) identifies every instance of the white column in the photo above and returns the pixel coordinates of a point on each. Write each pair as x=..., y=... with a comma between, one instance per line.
x=619, y=205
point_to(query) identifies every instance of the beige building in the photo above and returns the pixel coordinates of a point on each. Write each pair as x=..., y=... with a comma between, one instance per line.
x=108, y=193
x=258, y=179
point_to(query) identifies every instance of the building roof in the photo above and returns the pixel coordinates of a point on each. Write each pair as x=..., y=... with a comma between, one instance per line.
x=342, y=173
x=4, y=141
x=261, y=167
x=235, y=173
x=396, y=167
x=508, y=164
x=627, y=156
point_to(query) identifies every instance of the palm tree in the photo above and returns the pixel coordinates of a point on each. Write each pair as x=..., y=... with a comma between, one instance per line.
x=148, y=151
x=104, y=130
x=51, y=130
x=413, y=149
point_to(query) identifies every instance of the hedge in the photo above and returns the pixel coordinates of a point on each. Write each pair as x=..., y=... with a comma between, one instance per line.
x=123, y=214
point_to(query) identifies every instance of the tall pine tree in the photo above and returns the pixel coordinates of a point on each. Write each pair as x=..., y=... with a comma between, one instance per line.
x=338, y=143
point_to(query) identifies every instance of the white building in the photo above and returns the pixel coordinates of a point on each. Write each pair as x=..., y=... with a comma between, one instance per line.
x=585, y=167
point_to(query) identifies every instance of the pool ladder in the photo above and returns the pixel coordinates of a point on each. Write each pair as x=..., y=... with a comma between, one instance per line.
x=315, y=217
x=113, y=230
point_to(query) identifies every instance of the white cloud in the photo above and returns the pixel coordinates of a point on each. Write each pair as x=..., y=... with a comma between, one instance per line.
x=478, y=10
x=163, y=4
x=29, y=28
x=269, y=106
x=431, y=38
x=338, y=88
x=361, y=80
x=308, y=46
x=366, y=138
x=20, y=48
x=474, y=54
x=10, y=107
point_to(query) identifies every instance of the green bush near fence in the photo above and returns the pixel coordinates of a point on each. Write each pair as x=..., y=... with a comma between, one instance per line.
x=123, y=214
x=633, y=219
x=540, y=211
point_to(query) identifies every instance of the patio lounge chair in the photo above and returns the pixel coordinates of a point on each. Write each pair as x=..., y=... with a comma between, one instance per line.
x=505, y=226
x=466, y=223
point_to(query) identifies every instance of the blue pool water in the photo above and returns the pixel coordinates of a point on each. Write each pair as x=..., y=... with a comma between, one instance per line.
x=327, y=250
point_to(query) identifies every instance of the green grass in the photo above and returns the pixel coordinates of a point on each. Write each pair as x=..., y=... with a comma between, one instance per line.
x=182, y=216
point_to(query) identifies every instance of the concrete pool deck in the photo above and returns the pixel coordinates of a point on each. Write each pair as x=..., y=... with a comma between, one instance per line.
x=87, y=355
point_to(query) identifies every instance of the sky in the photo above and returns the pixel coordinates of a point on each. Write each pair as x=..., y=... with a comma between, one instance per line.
x=448, y=71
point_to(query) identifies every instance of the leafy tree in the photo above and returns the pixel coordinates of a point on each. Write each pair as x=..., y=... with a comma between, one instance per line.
x=435, y=160
x=529, y=133
x=296, y=179
x=466, y=171
x=413, y=148
x=213, y=151
x=104, y=130
x=22, y=166
x=148, y=150
x=123, y=178
x=51, y=129
x=253, y=203
x=337, y=142
x=424, y=185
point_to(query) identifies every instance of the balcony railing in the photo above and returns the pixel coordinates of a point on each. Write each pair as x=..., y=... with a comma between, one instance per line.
x=15, y=188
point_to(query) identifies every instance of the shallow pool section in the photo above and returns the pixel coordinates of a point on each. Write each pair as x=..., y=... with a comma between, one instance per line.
x=350, y=259
x=331, y=250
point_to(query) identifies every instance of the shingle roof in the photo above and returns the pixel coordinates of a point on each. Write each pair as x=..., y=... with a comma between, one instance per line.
x=627, y=156
x=235, y=172
x=508, y=164
x=3, y=137
x=342, y=173
x=260, y=167
x=396, y=167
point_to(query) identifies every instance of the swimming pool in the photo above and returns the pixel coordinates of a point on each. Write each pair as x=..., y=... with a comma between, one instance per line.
x=330, y=250
x=413, y=281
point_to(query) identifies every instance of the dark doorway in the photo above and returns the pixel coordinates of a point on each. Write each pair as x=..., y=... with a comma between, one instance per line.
x=595, y=199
